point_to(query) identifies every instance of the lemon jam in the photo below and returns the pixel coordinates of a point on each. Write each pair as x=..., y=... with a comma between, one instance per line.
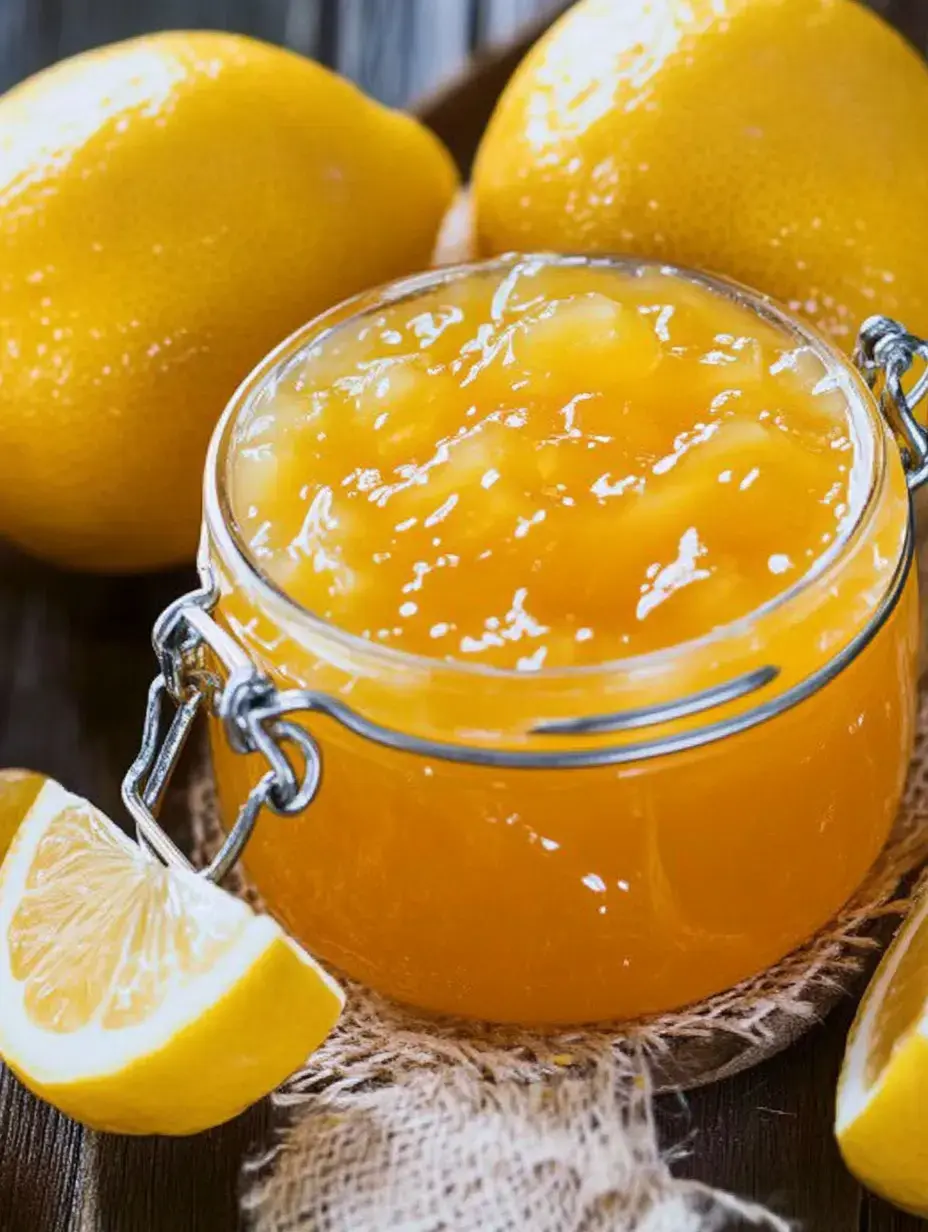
x=549, y=468
x=501, y=525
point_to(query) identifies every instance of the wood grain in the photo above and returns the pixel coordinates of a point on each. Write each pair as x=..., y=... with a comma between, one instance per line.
x=766, y=1134
x=397, y=50
x=75, y=664
x=40, y=1157
x=164, y=1185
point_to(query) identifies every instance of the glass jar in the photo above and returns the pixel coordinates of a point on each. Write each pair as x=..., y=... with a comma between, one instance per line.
x=581, y=844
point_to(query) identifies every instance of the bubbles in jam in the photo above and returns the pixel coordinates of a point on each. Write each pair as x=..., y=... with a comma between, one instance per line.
x=543, y=466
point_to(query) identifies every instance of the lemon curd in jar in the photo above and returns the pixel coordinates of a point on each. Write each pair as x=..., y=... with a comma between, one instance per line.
x=519, y=516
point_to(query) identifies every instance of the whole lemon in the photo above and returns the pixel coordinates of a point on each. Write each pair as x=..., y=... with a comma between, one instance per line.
x=171, y=208
x=775, y=141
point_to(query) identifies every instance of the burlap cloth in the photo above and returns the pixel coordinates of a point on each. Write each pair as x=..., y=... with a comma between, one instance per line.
x=402, y=1121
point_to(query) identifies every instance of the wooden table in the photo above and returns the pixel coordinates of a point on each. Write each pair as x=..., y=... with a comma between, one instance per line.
x=75, y=664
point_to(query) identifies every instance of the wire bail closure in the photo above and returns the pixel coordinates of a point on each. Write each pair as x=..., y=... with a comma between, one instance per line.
x=884, y=354
x=251, y=711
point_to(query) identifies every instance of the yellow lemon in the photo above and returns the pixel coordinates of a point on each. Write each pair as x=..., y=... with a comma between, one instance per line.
x=170, y=209
x=773, y=141
x=882, y=1113
x=141, y=999
x=18, y=790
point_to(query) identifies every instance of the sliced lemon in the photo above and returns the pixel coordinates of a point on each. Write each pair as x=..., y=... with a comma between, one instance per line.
x=882, y=1113
x=141, y=999
x=18, y=790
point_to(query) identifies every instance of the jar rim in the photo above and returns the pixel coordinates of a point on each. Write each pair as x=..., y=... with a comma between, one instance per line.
x=221, y=528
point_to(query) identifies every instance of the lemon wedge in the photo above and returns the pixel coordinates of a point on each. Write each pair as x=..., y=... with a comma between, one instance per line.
x=137, y=998
x=882, y=1111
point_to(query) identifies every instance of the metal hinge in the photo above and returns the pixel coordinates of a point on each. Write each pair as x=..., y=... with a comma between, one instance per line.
x=885, y=353
x=252, y=712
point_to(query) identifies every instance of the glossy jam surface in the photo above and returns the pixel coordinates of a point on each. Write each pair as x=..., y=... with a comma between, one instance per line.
x=543, y=469
x=546, y=466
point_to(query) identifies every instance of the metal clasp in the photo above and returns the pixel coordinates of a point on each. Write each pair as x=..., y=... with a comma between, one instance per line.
x=884, y=353
x=251, y=710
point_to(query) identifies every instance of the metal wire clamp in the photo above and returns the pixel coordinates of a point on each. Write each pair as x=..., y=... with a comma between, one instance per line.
x=252, y=712
x=884, y=354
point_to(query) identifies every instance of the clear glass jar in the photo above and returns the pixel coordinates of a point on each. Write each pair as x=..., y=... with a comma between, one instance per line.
x=589, y=843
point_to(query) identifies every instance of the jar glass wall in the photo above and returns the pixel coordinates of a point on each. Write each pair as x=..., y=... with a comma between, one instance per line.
x=650, y=864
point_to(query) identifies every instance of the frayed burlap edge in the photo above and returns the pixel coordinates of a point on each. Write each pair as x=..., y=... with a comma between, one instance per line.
x=388, y=1124
x=450, y=1150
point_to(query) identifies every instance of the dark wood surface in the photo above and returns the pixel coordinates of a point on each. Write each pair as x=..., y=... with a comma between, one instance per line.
x=396, y=49
x=74, y=667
